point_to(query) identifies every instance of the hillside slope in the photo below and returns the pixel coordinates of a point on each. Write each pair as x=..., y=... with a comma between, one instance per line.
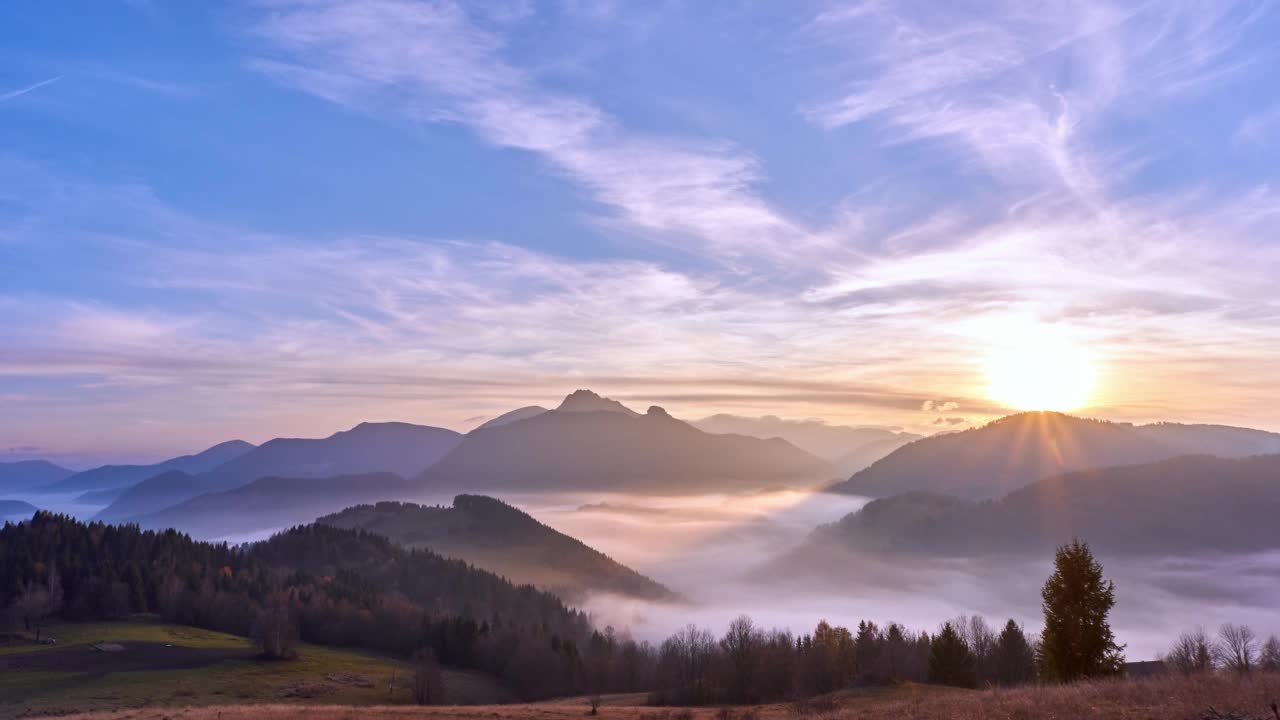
x=500, y=538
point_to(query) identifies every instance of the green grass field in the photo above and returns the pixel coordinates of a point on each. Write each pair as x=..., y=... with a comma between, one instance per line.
x=74, y=678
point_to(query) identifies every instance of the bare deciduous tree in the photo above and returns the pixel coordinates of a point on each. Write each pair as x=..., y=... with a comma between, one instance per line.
x=1237, y=648
x=981, y=641
x=1193, y=653
x=428, y=686
x=276, y=632
x=1269, y=657
x=743, y=644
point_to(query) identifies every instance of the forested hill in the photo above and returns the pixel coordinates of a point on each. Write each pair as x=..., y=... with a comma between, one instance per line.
x=343, y=587
x=498, y=537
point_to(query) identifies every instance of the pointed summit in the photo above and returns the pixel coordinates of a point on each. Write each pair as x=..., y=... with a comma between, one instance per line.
x=587, y=401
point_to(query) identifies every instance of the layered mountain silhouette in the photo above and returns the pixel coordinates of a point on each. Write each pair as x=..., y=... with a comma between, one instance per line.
x=499, y=538
x=15, y=509
x=1004, y=455
x=1220, y=440
x=30, y=474
x=848, y=449
x=271, y=503
x=102, y=497
x=999, y=457
x=590, y=442
x=1187, y=504
x=393, y=447
x=119, y=476
x=153, y=494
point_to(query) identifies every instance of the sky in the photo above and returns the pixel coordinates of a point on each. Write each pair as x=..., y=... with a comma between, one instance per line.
x=283, y=218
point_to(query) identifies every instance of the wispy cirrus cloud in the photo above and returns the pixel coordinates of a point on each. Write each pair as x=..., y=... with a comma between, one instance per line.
x=433, y=62
x=1260, y=128
x=1023, y=89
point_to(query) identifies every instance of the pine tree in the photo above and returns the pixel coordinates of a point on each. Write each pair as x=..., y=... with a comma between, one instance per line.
x=950, y=660
x=1015, y=662
x=1077, y=642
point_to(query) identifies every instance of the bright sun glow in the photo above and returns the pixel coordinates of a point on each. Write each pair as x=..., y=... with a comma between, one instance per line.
x=1039, y=370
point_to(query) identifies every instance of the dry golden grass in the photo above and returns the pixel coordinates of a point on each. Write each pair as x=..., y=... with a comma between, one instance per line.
x=1164, y=698
x=1159, y=698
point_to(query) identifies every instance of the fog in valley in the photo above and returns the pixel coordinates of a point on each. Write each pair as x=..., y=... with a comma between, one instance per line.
x=732, y=554
x=718, y=551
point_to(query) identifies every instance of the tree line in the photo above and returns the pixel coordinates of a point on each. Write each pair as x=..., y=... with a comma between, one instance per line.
x=1236, y=648
x=750, y=664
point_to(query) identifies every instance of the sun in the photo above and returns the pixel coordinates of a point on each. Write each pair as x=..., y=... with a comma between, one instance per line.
x=1040, y=370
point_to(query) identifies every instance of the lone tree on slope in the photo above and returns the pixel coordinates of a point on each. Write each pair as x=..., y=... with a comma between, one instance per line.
x=1077, y=642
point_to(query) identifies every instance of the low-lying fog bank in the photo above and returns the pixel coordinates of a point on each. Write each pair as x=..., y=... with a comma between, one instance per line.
x=717, y=551
x=721, y=553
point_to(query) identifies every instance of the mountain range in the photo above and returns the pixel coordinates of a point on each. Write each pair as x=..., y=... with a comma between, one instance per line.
x=31, y=474
x=276, y=467
x=848, y=449
x=270, y=503
x=591, y=442
x=997, y=458
x=393, y=447
x=153, y=494
x=497, y=537
x=119, y=476
x=1187, y=504
x=587, y=443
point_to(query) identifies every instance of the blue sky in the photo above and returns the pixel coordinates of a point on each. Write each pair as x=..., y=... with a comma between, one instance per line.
x=280, y=218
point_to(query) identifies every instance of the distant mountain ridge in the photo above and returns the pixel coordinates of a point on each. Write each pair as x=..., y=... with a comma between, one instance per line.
x=15, y=509
x=153, y=494
x=119, y=476
x=848, y=449
x=1001, y=456
x=497, y=537
x=394, y=447
x=1221, y=440
x=1191, y=503
x=269, y=503
x=599, y=444
x=29, y=474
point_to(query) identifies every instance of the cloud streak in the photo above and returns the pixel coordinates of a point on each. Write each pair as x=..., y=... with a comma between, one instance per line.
x=6, y=96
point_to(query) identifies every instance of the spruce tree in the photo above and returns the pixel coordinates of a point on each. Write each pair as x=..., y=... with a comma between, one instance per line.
x=1015, y=662
x=950, y=660
x=1077, y=642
